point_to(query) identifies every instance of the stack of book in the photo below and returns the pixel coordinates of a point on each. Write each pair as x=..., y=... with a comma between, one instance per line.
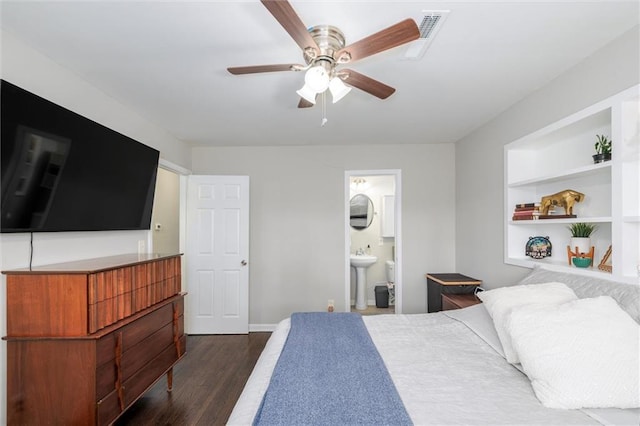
x=526, y=211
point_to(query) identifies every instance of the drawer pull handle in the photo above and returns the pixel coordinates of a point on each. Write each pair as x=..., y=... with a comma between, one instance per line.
x=118, y=360
x=176, y=329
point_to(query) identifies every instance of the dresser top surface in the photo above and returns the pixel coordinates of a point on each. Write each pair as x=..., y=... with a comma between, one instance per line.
x=88, y=266
x=453, y=279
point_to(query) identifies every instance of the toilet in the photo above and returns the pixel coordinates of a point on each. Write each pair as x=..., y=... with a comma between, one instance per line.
x=390, y=269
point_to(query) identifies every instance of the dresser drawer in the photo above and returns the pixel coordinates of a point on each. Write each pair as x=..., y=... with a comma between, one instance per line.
x=117, y=293
x=137, y=384
x=133, y=360
x=458, y=301
x=146, y=350
x=133, y=333
x=137, y=344
x=109, y=408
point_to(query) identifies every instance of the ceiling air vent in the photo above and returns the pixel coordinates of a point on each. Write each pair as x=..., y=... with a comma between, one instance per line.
x=430, y=24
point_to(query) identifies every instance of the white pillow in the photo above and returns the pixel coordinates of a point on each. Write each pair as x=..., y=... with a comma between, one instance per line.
x=500, y=301
x=582, y=354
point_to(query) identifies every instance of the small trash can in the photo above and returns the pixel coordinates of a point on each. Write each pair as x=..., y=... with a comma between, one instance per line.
x=382, y=296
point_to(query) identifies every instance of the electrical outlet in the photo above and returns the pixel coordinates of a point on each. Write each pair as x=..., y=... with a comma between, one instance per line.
x=142, y=247
x=330, y=305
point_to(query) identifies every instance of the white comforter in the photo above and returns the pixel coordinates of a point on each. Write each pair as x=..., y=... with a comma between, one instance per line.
x=444, y=372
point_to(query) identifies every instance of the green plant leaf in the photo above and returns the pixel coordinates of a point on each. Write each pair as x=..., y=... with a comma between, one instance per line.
x=581, y=229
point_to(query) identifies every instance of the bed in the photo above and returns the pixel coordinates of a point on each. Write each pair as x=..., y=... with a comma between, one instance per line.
x=451, y=367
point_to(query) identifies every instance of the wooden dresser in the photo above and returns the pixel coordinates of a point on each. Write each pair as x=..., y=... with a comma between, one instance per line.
x=448, y=283
x=86, y=339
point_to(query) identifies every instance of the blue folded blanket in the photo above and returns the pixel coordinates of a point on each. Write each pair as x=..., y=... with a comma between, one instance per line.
x=330, y=373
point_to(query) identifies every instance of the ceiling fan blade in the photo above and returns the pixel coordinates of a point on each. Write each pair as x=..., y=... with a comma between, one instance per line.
x=396, y=35
x=367, y=84
x=291, y=22
x=304, y=103
x=262, y=68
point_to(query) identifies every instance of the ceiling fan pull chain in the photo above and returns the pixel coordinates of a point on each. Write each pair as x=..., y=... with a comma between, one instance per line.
x=324, y=109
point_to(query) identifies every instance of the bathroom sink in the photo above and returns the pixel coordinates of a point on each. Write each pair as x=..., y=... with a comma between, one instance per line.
x=362, y=261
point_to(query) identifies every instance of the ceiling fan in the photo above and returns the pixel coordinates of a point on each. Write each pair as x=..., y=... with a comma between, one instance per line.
x=323, y=48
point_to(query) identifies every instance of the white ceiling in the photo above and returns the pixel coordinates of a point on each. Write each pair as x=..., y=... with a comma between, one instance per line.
x=168, y=59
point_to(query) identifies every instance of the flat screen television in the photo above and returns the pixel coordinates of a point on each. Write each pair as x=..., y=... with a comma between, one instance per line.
x=61, y=171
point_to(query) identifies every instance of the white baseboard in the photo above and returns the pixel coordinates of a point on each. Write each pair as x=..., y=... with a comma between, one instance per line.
x=370, y=302
x=257, y=328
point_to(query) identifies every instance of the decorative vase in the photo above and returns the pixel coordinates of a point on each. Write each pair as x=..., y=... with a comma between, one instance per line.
x=582, y=262
x=600, y=158
x=583, y=244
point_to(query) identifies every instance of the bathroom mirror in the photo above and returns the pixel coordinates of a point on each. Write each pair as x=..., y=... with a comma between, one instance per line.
x=361, y=211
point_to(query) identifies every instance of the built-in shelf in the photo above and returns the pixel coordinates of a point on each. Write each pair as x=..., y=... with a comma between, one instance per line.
x=565, y=267
x=558, y=157
x=577, y=172
x=543, y=222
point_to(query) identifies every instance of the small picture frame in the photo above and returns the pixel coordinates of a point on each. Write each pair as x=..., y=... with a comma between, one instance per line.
x=605, y=263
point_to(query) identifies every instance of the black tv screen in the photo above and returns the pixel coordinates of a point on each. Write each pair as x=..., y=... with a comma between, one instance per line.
x=64, y=172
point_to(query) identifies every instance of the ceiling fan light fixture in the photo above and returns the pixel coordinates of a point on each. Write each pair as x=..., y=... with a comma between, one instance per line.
x=324, y=48
x=317, y=79
x=307, y=93
x=338, y=89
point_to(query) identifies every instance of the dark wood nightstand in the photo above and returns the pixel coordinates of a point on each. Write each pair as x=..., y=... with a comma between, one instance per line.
x=458, y=301
x=439, y=284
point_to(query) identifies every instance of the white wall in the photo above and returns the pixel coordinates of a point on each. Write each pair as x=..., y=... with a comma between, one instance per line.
x=297, y=219
x=34, y=72
x=479, y=156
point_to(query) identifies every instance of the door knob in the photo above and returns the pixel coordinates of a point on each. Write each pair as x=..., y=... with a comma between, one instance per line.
x=243, y=263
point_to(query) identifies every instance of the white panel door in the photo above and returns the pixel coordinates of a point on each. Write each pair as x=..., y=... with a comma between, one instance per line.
x=217, y=255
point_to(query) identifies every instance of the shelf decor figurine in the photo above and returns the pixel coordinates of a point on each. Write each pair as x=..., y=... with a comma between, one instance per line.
x=581, y=242
x=565, y=199
x=605, y=263
x=603, y=149
x=538, y=247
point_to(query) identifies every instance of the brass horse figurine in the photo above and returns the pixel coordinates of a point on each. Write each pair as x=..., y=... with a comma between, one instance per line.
x=565, y=199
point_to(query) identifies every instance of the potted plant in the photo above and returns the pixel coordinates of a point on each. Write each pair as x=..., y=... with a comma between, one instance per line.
x=581, y=236
x=603, y=149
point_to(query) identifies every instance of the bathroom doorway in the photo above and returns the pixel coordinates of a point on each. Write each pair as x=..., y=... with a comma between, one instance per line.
x=373, y=213
x=165, y=218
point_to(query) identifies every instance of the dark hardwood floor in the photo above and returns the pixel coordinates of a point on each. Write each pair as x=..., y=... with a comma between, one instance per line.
x=206, y=383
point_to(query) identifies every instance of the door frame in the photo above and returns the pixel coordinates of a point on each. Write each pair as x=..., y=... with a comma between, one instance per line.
x=182, y=220
x=397, y=174
x=183, y=173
